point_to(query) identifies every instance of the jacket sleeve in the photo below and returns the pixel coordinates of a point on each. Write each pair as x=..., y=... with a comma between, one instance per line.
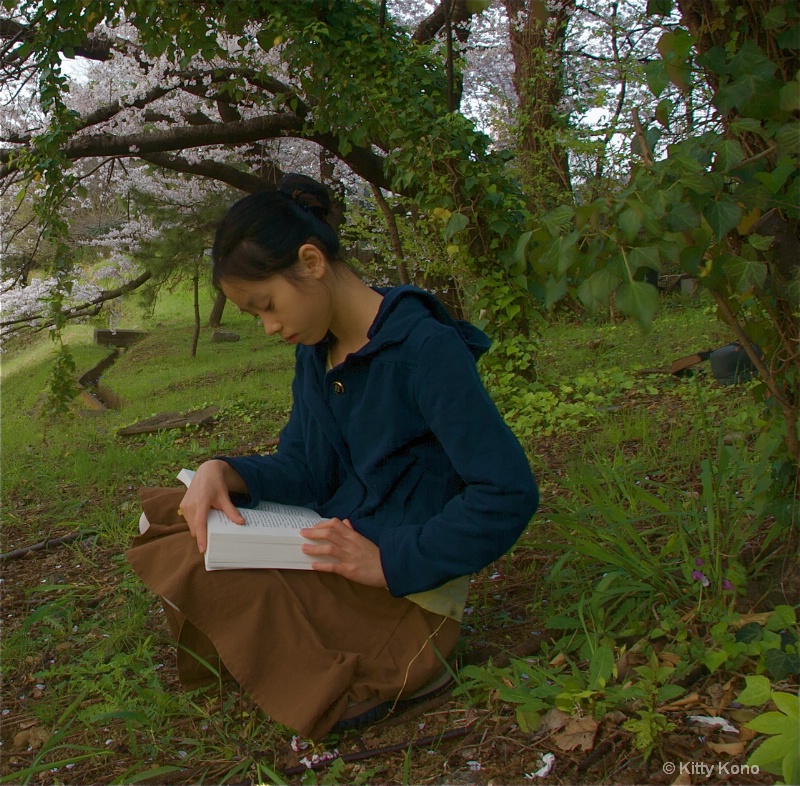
x=284, y=476
x=499, y=496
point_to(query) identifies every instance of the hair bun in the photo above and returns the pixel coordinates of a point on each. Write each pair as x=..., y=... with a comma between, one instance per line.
x=306, y=192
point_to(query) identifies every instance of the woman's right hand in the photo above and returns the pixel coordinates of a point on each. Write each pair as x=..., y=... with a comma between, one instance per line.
x=210, y=489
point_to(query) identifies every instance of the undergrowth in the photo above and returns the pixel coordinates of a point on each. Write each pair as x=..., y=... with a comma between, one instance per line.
x=661, y=512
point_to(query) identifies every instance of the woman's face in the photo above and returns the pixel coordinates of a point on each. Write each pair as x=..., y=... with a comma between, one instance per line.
x=298, y=310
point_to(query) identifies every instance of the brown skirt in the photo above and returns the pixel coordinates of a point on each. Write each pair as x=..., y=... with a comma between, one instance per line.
x=304, y=645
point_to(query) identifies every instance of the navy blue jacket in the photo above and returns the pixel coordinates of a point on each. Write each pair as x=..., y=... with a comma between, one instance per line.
x=403, y=439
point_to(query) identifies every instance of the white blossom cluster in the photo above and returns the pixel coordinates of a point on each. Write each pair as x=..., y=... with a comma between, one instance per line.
x=30, y=303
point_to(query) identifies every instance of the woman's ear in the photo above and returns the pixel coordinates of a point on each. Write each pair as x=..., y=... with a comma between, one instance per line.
x=312, y=260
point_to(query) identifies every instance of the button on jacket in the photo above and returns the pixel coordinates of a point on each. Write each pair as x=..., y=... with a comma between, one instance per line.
x=403, y=439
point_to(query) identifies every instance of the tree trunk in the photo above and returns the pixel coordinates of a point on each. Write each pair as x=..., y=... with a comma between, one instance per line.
x=196, y=291
x=537, y=46
x=394, y=235
x=215, y=318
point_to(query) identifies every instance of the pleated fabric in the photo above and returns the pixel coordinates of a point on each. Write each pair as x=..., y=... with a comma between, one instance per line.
x=304, y=645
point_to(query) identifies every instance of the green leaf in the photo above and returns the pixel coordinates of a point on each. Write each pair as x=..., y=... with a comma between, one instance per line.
x=768, y=723
x=645, y=256
x=723, y=215
x=745, y=274
x=675, y=44
x=782, y=617
x=522, y=247
x=749, y=633
x=760, y=242
x=663, y=111
x=757, y=691
x=556, y=218
x=774, y=18
x=656, y=75
x=776, y=179
x=787, y=703
x=713, y=659
x=601, y=667
x=527, y=720
x=781, y=664
x=788, y=139
x=639, y=300
x=774, y=749
x=554, y=290
x=457, y=222
x=595, y=291
x=630, y=222
x=790, y=96
x=659, y=7
x=729, y=154
x=789, y=39
x=563, y=622
x=682, y=218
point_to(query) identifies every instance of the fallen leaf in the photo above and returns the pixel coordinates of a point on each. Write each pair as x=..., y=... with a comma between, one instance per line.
x=746, y=619
x=742, y=716
x=578, y=733
x=731, y=748
x=692, y=698
x=669, y=657
x=34, y=738
x=683, y=779
x=553, y=720
x=746, y=734
x=615, y=717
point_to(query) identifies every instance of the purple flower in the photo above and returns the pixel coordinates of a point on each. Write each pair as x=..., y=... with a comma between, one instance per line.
x=698, y=562
x=701, y=577
x=728, y=585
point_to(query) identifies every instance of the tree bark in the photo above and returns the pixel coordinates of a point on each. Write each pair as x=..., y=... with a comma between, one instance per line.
x=394, y=235
x=196, y=294
x=215, y=318
x=537, y=46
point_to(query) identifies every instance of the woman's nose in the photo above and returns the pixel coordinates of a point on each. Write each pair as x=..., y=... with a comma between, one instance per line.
x=271, y=327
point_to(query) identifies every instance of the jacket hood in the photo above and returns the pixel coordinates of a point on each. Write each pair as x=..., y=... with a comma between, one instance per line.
x=407, y=304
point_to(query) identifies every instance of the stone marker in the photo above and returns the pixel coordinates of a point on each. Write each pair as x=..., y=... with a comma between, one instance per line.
x=220, y=336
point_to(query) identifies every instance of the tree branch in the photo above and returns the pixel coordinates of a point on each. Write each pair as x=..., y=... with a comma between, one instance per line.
x=85, y=308
x=244, y=181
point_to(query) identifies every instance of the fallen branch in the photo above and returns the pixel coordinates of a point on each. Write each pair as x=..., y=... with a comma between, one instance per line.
x=45, y=544
x=423, y=742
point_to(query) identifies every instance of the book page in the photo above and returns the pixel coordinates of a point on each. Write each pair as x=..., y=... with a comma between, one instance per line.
x=269, y=515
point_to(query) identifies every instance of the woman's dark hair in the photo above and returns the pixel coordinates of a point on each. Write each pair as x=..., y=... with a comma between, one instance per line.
x=261, y=234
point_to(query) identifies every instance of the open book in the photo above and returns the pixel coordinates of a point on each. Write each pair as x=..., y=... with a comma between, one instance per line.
x=269, y=538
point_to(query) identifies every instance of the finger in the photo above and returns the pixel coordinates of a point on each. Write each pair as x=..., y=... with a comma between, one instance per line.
x=321, y=549
x=231, y=511
x=198, y=529
x=330, y=567
x=324, y=529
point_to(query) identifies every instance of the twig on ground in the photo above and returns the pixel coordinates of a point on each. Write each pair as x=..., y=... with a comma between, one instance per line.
x=422, y=742
x=45, y=544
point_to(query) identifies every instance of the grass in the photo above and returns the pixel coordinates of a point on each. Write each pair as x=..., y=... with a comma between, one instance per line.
x=85, y=655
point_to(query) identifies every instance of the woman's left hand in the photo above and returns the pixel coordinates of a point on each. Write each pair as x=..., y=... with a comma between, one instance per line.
x=359, y=559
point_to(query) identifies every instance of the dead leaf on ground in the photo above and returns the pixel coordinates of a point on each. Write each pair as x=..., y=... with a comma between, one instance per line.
x=578, y=733
x=553, y=720
x=730, y=748
x=34, y=738
x=683, y=779
x=692, y=698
